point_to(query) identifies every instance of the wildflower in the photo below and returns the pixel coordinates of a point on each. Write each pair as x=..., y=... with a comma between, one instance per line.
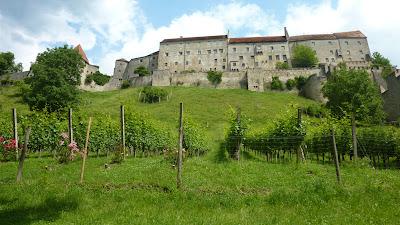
x=2, y=139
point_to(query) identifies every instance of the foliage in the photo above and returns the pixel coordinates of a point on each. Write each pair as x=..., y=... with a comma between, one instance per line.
x=195, y=139
x=237, y=130
x=379, y=140
x=304, y=56
x=215, y=77
x=7, y=64
x=118, y=154
x=7, y=149
x=300, y=82
x=276, y=84
x=281, y=65
x=67, y=151
x=56, y=73
x=290, y=84
x=6, y=80
x=98, y=78
x=379, y=61
x=125, y=84
x=153, y=95
x=141, y=71
x=316, y=110
x=353, y=92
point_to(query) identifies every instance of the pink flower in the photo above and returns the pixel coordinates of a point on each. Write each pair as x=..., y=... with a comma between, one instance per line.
x=2, y=139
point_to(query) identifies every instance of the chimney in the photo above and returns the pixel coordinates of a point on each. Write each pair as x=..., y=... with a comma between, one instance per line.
x=286, y=34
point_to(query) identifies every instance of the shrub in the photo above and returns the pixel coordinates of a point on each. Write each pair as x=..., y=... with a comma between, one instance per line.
x=236, y=133
x=282, y=65
x=304, y=56
x=300, y=82
x=290, y=84
x=141, y=71
x=276, y=84
x=215, y=77
x=316, y=110
x=125, y=84
x=195, y=140
x=153, y=95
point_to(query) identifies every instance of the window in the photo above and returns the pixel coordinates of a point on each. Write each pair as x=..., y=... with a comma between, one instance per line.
x=166, y=54
x=333, y=59
x=330, y=42
x=152, y=64
x=362, y=59
x=284, y=57
x=224, y=60
x=180, y=53
x=272, y=48
x=270, y=58
x=326, y=59
x=209, y=51
x=199, y=61
x=359, y=42
x=199, y=52
x=243, y=64
x=252, y=57
x=165, y=64
x=277, y=57
x=248, y=49
x=241, y=57
x=221, y=50
x=361, y=51
x=313, y=43
x=187, y=52
x=215, y=61
x=283, y=48
x=176, y=63
x=256, y=64
x=223, y=67
x=215, y=51
x=234, y=64
x=234, y=49
x=348, y=52
x=141, y=60
x=187, y=63
x=346, y=42
x=154, y=57
x=331, y=52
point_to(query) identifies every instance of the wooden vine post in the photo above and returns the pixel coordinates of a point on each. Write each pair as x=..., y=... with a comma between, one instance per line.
x=84, y=153
x=15, y=130
x=336, y=156
x=354, y=135
x=70, y=131
x=300, y=153
x=122, y=115
x=180, y=147
x=23, y=153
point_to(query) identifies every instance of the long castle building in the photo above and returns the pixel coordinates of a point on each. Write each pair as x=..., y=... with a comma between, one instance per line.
x=222, y=53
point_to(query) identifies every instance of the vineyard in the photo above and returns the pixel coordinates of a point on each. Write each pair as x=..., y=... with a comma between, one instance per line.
x=284, y=173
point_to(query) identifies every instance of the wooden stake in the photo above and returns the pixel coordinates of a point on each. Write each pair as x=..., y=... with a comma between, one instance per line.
x=15, y=127
x=354, y=135
x=336, y=156
x=84, y=155
x=23, y=153
x=179, y=175
x=70, y=131
x=122, y=115
x=300, y=153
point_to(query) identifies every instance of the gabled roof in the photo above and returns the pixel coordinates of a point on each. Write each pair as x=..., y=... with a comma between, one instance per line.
x=334, y=36
x=79, y=49
x=257, y=39
x=202, y=38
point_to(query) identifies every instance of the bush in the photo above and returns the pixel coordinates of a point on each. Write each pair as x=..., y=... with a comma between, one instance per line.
x=195, y=140
x=290, y=84
x=141, y=71
x=236, y=133
x=316, y=110
x=304, y=56
x=125, y=84
x=300, y=82
x=215, y=77
x=276, y=84
x=153, y=95
x=282, y=65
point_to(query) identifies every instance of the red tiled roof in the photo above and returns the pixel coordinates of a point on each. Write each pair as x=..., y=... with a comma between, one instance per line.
x=313, y=37
x=203, y=38
x=79, y=49
x=257, y=39
x=350, y=34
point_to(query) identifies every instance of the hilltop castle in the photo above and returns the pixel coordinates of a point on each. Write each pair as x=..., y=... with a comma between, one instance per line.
x=222, y=53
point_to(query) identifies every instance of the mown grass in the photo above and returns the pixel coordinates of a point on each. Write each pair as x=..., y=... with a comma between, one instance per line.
x=142, y=191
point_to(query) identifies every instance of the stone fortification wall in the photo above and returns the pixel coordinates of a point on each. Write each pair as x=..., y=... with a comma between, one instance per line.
x=259, y=80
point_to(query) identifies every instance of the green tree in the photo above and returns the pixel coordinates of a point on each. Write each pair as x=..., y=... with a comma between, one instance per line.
x=304, y=56
x=379, y=61
x=56, y=73
x=142, y=71
x=215, y=77
x=7, y=64
x=352, y=92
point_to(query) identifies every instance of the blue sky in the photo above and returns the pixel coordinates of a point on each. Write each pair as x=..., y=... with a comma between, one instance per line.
x=113, y=29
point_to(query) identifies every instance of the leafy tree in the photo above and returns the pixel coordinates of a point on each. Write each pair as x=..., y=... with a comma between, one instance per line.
x=56, y=73
x=304, y=56
x=98, y=78
x=142, y=71
x=379, y=61
x=7, y=64
x=300, y=82
x=282, y=65
x=352, y=92
x=215, y=77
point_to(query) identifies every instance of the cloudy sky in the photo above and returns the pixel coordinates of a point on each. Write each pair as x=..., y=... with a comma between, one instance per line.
x=112, y=29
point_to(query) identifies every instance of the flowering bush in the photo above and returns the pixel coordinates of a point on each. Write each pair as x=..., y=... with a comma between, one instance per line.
x=8, y=149
x=67, y=152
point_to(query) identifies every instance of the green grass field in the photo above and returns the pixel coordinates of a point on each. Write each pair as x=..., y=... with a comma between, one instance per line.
x=215, y=190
